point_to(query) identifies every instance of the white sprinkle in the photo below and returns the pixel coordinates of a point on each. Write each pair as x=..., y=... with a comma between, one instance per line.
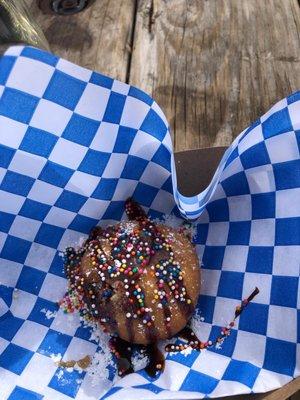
x=186, y=351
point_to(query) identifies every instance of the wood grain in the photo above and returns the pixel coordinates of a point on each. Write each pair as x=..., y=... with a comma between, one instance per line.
x=98, y=38
x=215, y=66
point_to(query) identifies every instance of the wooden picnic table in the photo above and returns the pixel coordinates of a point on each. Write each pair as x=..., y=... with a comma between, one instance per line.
x=213, y=66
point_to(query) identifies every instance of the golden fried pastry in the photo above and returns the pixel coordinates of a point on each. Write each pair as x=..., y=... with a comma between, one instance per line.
x=139, y=280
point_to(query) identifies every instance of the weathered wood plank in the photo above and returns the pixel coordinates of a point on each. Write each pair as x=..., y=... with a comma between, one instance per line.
x=215, y=66
x=98, y=38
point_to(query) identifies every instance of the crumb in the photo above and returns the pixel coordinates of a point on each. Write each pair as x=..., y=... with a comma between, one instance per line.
x=81, y=364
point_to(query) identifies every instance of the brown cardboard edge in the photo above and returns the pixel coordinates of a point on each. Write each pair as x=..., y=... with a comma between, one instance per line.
x=194, y=169
x=279, y=394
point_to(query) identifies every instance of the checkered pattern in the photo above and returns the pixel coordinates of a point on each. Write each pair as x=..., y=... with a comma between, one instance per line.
x=74, y=145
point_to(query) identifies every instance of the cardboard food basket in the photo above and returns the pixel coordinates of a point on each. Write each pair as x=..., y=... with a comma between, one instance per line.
x=195, y=169
x=188, y=165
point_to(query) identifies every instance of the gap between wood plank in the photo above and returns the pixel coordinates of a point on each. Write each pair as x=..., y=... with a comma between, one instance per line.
x=131, y=43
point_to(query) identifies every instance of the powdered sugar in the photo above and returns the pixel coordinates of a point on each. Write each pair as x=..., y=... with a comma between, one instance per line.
x=139, y=361
x=174, y=222
x=98, y=370
x=102, y=359
x=49, y=314
x=56, y=358
x=60, y=374
x=128, y=227
x=196, y=322
x=80, y=242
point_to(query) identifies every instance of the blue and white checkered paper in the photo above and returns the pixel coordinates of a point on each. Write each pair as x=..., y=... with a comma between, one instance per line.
x=74, y=145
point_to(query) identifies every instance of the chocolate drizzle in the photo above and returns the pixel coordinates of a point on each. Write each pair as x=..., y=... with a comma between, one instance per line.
x=156, y=360
x=108, y=271
x=192, y=340
x=123, y=351
x=122, y=256
x=105, y=276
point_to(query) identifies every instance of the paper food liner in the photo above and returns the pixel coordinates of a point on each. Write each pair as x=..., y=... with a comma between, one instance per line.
x=74, y=145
